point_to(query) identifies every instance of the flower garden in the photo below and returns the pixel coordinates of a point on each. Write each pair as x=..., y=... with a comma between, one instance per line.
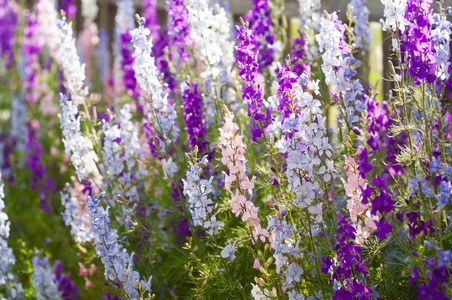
x=219, y=158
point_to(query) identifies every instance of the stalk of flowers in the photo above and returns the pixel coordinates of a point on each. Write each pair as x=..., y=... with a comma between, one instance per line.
x=124, y=21
x=73, y=70
x=66, y=287
x=179, y=28
x=103, y=57
x=264, y=38
x=83, y=158
x=338, y=66
x=193, y=117
x=299, y=51
x=348, y=271
x=362, y=35
x=75, y=215
x=360, y=214
x=130, y=82
x=8, y=17
x=32, y=46
x=197, y=191
x=237, y=182
x=18, y=123
x=69, y=8
x=417, y=44
x=7, y=258
x=310, y=22
x=39, y=182
x=441, y=37
x=163, y=115
x=47, y=16
x=117, y=262
x=43, y=278
x=252, y=90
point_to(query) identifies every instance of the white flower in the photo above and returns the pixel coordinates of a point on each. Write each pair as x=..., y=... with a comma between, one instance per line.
x=47, y=18
x=394, y=13
x=257, y=294
x=90, y=10
x=169, y=168
x=229, y=251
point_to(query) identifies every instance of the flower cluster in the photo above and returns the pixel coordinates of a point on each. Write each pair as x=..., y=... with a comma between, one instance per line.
x=8, y=17
x=32, y=47
x=179, y=28
x=197, y=192
x=441, y=36
x=43, y=278
x=252, y=89
x=117, y=262
x=361, y=30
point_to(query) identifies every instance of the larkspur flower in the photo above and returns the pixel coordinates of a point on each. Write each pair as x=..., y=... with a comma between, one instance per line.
x=8, y=17
x=66, y=286
x=43, y=279
x=229, y=251
x=441, y=36
x=196, y=191
x=117, y=262
x=169, y=168
x=179, y=28
x=69, y=8
x=32, y=47
x=18, y=122
x=362, y=35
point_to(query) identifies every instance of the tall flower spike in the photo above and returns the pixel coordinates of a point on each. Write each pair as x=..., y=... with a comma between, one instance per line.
x=252, y=90
x=32, y=46
x=74, y=71
x=117, y=262
x=441, y=35
x=43, y=279
x=179, y=28
x=7, y=258
x=197, y=191
x=163, y=114
x=8, y=19
x=361, y=28
x=237, y=182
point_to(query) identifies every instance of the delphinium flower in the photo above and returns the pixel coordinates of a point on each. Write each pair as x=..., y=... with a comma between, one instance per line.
x=103, y=57
x=441, y=36
x=299, y=51
x=348, y=271
x=360, y=215
x=47, y=18
x=417, y=47
x=75, y=215
x=43, y=278
x=74, y=71
x=394, y=12
x=124, y=21
x=162, y=115
x=66, y=287
x=130, y=82
x=89, y=10
x=8, y=17
x=117, y=262
x=7, y=258
x=310, y=21
x=362, y=34
x=193, y=117
x=435, y=284
x=80, y=149
x=5, y=154
x=18, y=122
x=196, y=191
x=39, y=181
x=252, y=89
x=69, y=8
x=305, y=140
x=179, y=28
x=237, y=182
x=262, y=33
x=338, y=66
x=32, y=46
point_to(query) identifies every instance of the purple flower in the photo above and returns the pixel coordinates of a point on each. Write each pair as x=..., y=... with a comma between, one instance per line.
x=150, y=14
x=179, y=28
x=66, y=287
x=418, y=45
x=127, y=61
x=32, y=47
x=363, y=164
x=252, y=92
x=299, y=50
x=196, y=130
x=8, y=19
x=69, y=7
x=382, y=229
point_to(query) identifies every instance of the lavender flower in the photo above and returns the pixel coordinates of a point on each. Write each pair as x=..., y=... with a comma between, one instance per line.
x=179, y=28
x=117, y=262
x=150, y=14
x=43, y=279
x=196, y=129
x=252, y=90
x=299, y=52
x=362, y=34
x=8, y=18
x=197, y=190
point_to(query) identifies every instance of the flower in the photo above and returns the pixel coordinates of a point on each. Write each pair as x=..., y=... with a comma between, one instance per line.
x=362, y=33
x=43, y=278
x=228, y=251
x=169, y=167
x=8, y=17
x=179, y=28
